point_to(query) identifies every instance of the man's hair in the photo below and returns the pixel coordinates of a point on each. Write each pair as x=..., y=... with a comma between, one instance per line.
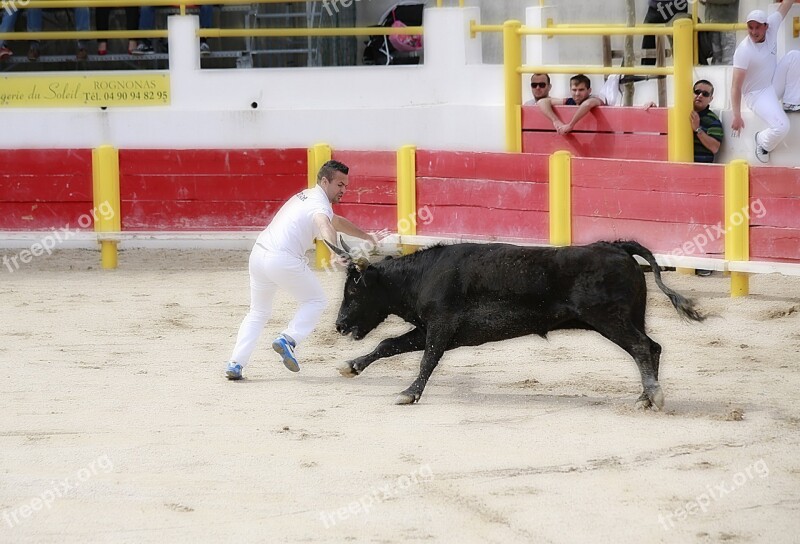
x=704, y=82
x=574, y=81
x=545, y=75
x=330, y=168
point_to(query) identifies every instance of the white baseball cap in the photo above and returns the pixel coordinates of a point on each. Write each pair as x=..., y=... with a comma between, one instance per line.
x=757, y=15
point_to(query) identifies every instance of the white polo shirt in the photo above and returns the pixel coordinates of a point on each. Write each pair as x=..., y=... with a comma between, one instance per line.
x=292, y=230
x=759, y=59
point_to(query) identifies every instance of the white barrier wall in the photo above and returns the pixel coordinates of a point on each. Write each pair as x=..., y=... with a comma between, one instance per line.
x=453, y=101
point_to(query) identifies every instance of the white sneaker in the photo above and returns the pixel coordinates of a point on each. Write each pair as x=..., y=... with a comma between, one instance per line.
x=761, y=154
x=204, y=49
x=791, y=107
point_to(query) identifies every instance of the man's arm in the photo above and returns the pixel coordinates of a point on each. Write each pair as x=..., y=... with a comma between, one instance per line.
x=326, y=229
x=785, y=6
x=588, y=105
x=546, y=107
x=737, y=124
x=343, y=225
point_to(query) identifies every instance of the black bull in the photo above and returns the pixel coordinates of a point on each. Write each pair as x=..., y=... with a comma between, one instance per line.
x=469, y=294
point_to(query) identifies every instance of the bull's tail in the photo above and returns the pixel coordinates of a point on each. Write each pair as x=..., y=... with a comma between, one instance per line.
x=685, y=306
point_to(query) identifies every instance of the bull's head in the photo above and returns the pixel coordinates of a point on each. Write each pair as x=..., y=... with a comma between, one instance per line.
x=364, y=305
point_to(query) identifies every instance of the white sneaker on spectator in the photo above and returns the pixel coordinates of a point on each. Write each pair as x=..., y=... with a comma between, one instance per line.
x=791, y=107
x=143, y=49
x=205, y=49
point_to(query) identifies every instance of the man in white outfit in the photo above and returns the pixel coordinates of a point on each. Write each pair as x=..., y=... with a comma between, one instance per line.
x=278, y=261
x=763, y=81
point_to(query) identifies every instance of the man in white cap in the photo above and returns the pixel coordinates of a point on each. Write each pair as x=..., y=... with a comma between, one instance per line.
x=763, y=81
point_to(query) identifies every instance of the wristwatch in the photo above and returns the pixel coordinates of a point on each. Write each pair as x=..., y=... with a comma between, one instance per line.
x=698, y=130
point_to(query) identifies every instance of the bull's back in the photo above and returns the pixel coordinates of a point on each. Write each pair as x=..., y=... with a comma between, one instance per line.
x=500, y=291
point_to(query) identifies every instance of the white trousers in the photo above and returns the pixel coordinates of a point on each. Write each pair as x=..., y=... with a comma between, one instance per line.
x=766, y=103
x=268, y=273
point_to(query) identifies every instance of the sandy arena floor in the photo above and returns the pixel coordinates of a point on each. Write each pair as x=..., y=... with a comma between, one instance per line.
x=118, y=425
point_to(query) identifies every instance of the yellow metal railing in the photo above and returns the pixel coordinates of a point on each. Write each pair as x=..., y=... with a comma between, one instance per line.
x=439, y=3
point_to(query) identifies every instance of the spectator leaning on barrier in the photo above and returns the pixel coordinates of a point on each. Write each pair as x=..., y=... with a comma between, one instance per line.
x=540, y=88
x=762, y=81
x=707, y=130
x=581, y=90
x=723, y=44
x=706, y=125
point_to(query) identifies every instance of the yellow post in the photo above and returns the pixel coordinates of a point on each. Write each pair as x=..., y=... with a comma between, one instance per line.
x=683, y=141
x=105, y=189
x=737, y=222
x=512, y=60
x=318, y=155
x=560, y=198
x=407, y=194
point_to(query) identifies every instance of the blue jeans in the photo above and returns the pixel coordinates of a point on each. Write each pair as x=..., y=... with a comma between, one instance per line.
x=35, y=22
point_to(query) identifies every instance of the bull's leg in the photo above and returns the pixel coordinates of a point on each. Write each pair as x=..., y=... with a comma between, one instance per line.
x=434, y=349
x=413, y=340
x=644, y=402
x=644, y=351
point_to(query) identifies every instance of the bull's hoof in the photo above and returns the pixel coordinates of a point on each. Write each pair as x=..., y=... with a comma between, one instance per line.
x=406, y=398
x=346, y=370
x=657, y=398
x=651, y=399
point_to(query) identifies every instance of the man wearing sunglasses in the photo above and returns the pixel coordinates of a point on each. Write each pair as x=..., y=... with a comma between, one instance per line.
x=762, y=81
x=540, y=88
x=705, y=123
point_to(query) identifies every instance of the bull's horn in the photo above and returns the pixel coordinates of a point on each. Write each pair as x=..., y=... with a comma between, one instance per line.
x=339, y=252
x=344, y=245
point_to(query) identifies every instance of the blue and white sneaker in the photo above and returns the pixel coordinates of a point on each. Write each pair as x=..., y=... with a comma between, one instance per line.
x=284, y=347
x=234, y=371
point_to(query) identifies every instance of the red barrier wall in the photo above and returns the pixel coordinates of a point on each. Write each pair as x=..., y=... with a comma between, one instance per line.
x=663, y=206
x=483, y=194
x=45, y=189
x=775, y=214
x=207, y=189
x=371, y=197
x=671, y=208
x=621, y=133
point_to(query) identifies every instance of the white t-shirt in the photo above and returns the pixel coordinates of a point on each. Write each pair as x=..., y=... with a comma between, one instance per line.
x=759, y=59
x=292, y=230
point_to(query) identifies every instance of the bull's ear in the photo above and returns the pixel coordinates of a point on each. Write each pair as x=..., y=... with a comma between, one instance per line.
x=362, y=264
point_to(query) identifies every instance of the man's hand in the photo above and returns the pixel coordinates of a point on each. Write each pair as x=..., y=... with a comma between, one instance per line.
x=737, y=125
x=379, y=235
x=695, y=120
x=564, y=129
